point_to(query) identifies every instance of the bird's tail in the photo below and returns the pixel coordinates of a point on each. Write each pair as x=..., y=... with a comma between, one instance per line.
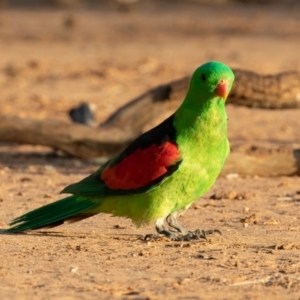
x=70, y=209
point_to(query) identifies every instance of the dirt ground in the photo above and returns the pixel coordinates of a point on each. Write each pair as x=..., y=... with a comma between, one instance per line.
x=51, y=60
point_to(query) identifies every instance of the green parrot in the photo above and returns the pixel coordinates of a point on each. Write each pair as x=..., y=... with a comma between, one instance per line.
x=161, y=173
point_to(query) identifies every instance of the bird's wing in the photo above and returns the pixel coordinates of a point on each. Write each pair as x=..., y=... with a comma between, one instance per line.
x=142, y=166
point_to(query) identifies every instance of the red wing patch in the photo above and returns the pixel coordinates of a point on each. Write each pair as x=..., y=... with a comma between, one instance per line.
x=141, y=167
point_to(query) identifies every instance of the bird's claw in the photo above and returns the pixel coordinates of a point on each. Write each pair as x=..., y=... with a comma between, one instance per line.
x=202, y=234
x=196, y=235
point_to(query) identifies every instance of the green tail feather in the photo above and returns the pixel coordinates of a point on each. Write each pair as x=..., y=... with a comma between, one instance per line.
x=54, y=214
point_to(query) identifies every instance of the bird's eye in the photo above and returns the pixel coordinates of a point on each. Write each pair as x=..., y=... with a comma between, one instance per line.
x=203, y=77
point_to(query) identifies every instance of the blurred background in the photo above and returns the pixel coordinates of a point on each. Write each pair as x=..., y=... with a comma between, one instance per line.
x=55, y=54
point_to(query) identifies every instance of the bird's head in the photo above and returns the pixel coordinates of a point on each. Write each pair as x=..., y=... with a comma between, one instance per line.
x=212, y=80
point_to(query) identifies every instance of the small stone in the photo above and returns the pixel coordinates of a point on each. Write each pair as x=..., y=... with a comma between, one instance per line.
x=184, y=281
x=284, y=199
x=2, y=224
x=271, y=222
x=4, y=170
x=293, y=229
x=247, y=196
x=284, y=184
x=231, y=176
x=217, y=196
x=73, y=269
x=25, y=179
x=249, y=219
x=197, y=206
x=47, y=196
x=287, y=246
x=232, y=195
x=49, y=169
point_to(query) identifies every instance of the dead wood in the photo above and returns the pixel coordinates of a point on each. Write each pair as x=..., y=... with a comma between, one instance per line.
x=262, y=160
x=87, y=143
x=74, y=139
x=250, y=89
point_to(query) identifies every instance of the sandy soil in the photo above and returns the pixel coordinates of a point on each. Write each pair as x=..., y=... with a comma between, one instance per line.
x=52, y=60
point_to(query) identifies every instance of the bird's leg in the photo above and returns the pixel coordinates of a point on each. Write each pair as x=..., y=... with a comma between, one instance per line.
x=162, y=229
x=173, y=222
x=184, y=235
x=188, y=235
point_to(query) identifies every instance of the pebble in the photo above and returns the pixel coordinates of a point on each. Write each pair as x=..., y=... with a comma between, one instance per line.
x=73, y=269
x=231, y=176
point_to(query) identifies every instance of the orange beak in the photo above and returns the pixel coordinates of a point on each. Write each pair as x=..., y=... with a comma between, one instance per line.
x=222, y=89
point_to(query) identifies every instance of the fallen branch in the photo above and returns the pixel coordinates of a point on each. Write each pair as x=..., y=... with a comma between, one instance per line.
x=265, y=161
x=76, y=140
x=87, y=143
x=250, y=89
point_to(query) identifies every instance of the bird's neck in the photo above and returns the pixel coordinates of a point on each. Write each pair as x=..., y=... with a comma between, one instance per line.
x=210, y=114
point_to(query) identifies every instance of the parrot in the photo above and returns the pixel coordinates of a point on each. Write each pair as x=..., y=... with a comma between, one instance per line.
x=156, y=178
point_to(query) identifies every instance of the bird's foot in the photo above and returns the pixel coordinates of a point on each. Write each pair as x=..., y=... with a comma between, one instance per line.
x=190, y=236
x=182, y=234
x=173, y=236
x=202, y=234
x=195, y=235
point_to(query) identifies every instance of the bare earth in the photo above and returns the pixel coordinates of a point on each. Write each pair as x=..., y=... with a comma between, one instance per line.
x=52, y=60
